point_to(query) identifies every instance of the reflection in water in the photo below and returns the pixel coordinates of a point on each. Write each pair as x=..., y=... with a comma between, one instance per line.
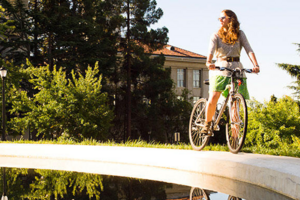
x=50, y=184
x=37, y=184
x=233, y=198
x=4, y=196
x=128, y=188
x=198, y=194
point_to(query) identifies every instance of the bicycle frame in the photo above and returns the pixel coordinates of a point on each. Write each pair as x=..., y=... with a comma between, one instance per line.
x=232, y=91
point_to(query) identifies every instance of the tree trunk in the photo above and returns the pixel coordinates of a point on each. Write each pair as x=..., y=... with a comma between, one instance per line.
x=128, y=74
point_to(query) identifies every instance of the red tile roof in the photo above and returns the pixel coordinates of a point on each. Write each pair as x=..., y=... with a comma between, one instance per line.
x=169, y=50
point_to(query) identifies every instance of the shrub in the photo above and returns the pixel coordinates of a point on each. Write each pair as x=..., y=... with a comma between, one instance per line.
x=73, y=107
x=274, y=124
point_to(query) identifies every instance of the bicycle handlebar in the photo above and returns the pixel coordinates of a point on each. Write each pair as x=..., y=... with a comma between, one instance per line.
x=233, y=70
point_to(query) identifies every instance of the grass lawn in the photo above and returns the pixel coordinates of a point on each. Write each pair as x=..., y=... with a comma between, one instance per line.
x=288, y=151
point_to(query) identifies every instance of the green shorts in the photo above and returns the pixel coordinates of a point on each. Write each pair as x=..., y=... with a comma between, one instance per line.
x=219, y=83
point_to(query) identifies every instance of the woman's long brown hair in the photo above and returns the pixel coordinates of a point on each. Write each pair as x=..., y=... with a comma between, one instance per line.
x=231, y=33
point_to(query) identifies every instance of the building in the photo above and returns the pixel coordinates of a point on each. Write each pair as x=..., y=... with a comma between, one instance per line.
x=188, y=70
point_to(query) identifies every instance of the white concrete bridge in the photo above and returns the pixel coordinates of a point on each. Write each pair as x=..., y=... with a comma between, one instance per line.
x=244, y=175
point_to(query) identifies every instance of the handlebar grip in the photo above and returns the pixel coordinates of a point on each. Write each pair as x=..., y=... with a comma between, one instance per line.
x=222, y=68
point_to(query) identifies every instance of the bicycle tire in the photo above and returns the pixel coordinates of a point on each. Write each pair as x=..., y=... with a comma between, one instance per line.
x=236, y=127
x=197, y=119
x=198, y=193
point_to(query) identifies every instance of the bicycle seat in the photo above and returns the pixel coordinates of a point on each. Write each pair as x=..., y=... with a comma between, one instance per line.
x=206, y=81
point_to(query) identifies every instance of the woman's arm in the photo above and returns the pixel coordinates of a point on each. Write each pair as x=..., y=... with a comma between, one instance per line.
x=209, y=64
x=211, y=50
x=254, y=61
x=246, y=45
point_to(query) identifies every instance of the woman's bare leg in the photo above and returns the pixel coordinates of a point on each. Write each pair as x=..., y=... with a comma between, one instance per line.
x=210, y=111
x=211, y=106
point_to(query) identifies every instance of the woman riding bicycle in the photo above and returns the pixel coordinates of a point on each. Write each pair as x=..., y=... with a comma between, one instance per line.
x=226, y=45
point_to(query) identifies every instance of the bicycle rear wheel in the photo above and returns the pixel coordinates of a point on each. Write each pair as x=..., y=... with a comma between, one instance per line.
x=197, y=119
x=236, y=128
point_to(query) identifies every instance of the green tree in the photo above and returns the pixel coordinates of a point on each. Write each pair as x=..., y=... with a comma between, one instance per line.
x=273, y=124
x=16, y=45
x=167, y=115
x=70, y=34
x=4, y=25
x=294, y=71
x=67, y=33
x=138, y=68
x=74, y=107
x=79, y=33
x=273, y=98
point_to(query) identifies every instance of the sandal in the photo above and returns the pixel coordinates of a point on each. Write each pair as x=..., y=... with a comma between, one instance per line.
x=206, y=129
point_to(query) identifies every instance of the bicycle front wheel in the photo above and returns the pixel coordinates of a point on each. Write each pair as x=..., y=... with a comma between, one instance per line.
x=197, y=119
x=236, y=127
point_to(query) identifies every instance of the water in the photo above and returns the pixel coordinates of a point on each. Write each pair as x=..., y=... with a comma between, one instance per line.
x=20, y=183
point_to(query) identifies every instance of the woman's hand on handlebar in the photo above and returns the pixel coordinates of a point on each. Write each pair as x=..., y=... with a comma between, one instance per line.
x=255, y=69
x=211, y=66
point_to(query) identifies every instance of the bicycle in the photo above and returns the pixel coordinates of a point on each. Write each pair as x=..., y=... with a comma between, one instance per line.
x=236, y=116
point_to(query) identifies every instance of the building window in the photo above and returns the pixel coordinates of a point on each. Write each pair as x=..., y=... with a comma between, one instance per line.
x=195, y=99
x=197, y=78
x=180, y=77
x=180, y=98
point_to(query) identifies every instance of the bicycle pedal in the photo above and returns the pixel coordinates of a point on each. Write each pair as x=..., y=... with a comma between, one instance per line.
x=210, y=134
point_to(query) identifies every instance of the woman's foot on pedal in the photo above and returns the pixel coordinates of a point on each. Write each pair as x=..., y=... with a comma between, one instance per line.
x=206, y=129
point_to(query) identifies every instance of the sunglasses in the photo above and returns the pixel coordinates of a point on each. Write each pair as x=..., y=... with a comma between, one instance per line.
x=222, y=18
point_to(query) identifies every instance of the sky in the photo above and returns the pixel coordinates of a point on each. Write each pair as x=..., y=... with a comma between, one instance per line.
x=271, y=26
